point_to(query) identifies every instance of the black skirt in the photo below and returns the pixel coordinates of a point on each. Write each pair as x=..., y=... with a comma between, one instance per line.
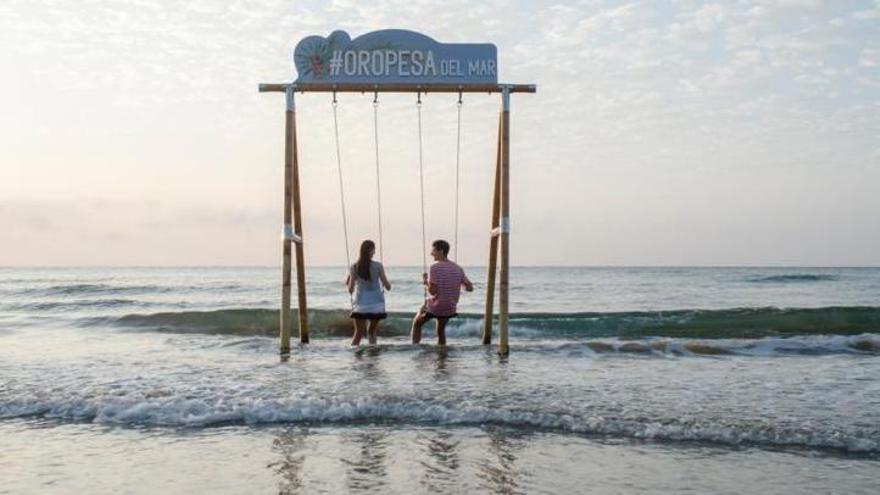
x=368, y=316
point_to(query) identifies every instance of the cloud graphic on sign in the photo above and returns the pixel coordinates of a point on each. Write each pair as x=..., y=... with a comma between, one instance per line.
x=312, y=55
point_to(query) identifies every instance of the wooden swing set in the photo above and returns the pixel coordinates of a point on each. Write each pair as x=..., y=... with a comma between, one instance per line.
x=395, y=61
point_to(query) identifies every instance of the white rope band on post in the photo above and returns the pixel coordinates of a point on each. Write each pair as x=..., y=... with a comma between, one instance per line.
x=287, y=234
x=504, y=228
x=505, y=98
x=291, y=104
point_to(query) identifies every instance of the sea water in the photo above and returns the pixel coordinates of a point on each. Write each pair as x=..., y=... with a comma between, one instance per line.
x=652, y=380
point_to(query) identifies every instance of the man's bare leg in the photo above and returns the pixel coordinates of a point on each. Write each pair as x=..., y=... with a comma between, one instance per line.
x=416, y=330
x=441, y=330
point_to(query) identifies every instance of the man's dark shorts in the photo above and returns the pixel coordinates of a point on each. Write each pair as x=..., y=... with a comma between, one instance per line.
x=429, y=315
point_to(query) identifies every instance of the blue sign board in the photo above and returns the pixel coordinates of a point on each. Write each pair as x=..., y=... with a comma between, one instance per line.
x=393, y=56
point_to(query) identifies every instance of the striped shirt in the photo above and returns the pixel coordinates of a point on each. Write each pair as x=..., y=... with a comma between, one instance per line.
x=448, y=277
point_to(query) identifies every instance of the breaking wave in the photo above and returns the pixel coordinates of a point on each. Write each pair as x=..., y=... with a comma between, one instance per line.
x=180, y=411
x=737, y=323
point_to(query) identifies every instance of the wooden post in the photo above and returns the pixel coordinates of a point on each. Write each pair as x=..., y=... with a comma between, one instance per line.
x=504, y=226
x=302, y=311
x=292, y=233
x=493, y=245
x=284, y=319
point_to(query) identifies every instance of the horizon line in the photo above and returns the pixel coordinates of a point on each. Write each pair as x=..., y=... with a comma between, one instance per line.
x=6, y=267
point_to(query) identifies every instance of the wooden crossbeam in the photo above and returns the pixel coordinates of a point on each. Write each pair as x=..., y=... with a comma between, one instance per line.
x=395, y=88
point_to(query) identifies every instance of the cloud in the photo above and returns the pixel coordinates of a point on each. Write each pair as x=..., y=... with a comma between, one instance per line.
x=708, y=17
x=867, y=15
x=869, y=57
x=119, y=232
x=636, y=105
x=796, y=4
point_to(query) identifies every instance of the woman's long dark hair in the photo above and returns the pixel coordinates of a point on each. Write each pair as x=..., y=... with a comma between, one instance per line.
x=362, y=266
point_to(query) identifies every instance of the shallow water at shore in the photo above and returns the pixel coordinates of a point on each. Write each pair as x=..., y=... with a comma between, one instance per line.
x=143, y=396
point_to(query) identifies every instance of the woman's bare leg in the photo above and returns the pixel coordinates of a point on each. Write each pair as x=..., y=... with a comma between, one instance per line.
x=373, y=331
x=359, y=326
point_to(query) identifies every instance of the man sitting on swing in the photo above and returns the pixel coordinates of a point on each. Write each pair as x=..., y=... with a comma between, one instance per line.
x=444, y=287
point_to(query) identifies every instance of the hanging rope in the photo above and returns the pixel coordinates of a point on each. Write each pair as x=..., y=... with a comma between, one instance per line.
x=378, y=186
x=457, y=170
x=341, y=191
x=422, y=189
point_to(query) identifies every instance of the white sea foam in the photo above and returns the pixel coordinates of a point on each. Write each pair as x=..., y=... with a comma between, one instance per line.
x=189, y=412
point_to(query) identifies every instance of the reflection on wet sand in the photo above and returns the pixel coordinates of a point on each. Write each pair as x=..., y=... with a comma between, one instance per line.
x=442, y=462
x=498, y=473
x=437, y=461
x=291, y=445
x=368, y=472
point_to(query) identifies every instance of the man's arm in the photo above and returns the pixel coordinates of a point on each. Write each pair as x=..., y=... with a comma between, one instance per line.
x=468, y=286
x=432, y=287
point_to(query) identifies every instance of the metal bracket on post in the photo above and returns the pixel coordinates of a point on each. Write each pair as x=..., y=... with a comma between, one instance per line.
x=289, y=92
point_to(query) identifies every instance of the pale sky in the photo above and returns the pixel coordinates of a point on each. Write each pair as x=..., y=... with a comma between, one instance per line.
x=662, y=133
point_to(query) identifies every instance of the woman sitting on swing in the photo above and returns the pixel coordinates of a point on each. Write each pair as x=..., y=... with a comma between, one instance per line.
x=368, y=304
